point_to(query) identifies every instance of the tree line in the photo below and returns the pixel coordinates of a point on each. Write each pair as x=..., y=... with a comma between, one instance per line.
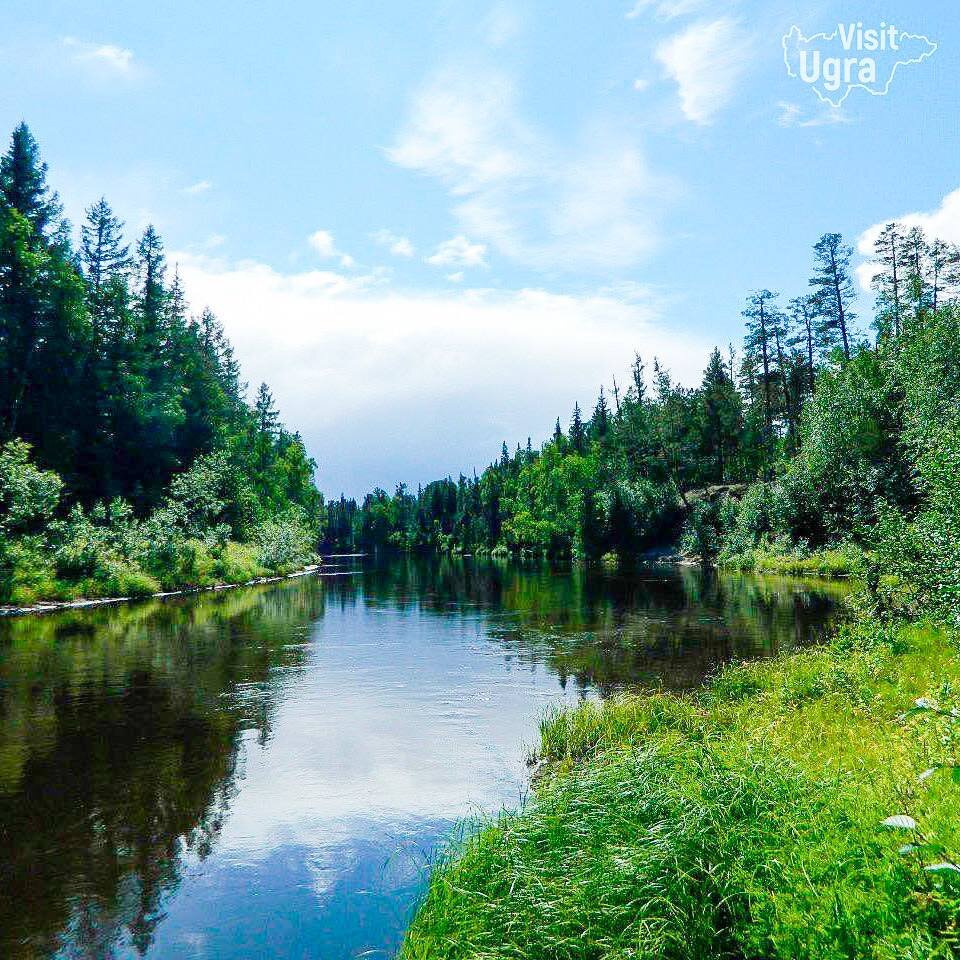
x=111, y=390
x=622, y=477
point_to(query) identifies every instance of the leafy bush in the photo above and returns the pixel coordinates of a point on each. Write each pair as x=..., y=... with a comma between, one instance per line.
x=285, y=542
x=28, y=495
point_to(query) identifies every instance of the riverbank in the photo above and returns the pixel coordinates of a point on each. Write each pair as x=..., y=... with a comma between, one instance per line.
x=744, y=821
x=51, y=606
x=844, y=561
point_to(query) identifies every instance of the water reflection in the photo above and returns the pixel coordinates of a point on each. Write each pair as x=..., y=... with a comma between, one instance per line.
x=265, y=772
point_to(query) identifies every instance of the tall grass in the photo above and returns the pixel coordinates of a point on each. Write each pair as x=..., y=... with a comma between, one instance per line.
x=743, y=822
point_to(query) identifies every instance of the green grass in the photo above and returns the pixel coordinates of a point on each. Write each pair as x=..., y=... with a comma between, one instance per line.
x=741, y=822
x=844, y=561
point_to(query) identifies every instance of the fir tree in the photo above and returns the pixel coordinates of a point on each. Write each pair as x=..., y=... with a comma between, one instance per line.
x=600, y=421
x=103, y=253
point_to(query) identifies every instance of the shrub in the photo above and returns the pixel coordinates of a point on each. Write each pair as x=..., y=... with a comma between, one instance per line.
x=285, y=542
x=28, y=495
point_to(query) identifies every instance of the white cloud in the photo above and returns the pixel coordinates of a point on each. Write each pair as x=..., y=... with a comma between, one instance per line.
x=664, y=9
x=102, y=57
x=588, y=204
x=791, y=115
x=390, y=384
x=397, y=245
x=456, y=277
x=458, y=251
x=707, y=61
x=323, y=244
x=943, y=223
x=201, y=186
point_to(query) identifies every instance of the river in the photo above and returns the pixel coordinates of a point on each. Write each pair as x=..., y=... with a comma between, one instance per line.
x=268, y=772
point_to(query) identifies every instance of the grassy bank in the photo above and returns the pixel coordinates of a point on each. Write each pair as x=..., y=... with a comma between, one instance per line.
x=843, y=561
x=745, y=821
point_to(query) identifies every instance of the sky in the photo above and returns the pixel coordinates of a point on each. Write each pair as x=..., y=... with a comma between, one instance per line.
x=432, y=226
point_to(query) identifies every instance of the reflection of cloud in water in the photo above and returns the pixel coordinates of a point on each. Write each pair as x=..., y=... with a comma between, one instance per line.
x=269, y=772
x=399, y=717
x=341, y=900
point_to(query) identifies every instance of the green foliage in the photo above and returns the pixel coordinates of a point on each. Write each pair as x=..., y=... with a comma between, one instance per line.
x=747, y=822
x=28, y=495
x=285, y=542
x=110, y=393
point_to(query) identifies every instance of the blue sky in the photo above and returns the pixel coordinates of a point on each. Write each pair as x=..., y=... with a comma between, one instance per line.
x=432, y=226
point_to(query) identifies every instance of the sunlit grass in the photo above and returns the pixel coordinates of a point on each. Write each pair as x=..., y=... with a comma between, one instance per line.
x=741, y=822
x=845, y=561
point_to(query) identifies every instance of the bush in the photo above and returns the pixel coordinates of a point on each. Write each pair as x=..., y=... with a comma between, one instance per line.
x=285, y=542
x=28, y=495
x=238, y=563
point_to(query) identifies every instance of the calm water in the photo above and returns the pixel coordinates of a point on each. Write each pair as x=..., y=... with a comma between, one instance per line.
x=267, y=772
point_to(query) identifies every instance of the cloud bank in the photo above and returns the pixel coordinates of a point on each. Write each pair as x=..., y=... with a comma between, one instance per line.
x=388, y=384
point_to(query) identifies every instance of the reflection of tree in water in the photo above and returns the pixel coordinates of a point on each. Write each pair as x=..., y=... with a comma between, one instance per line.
x=667, y=626
x=121, y=728
x=120, y=734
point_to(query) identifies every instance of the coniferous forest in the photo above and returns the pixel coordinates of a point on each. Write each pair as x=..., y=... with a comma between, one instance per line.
x=131, y=460
x=821, y=443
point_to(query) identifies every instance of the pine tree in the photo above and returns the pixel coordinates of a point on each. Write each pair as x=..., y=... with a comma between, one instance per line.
x=943, y=263
x=832, y=280
x=778, y=327
x=639, y=384
x=802, y=334
x=915, y=256
x=888, y=280
x=758, y=345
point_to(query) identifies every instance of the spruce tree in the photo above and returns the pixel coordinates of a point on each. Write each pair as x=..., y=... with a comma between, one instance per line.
x=103, y=253
x=577, y=432
x=151, y=291
x=600, y=421
x=23, y=183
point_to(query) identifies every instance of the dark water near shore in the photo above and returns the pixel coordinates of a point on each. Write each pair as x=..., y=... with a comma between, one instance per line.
x=267, y=772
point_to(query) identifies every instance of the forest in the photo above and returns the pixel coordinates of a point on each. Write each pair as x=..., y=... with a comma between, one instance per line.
x=821, y=444
x=130, y=459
